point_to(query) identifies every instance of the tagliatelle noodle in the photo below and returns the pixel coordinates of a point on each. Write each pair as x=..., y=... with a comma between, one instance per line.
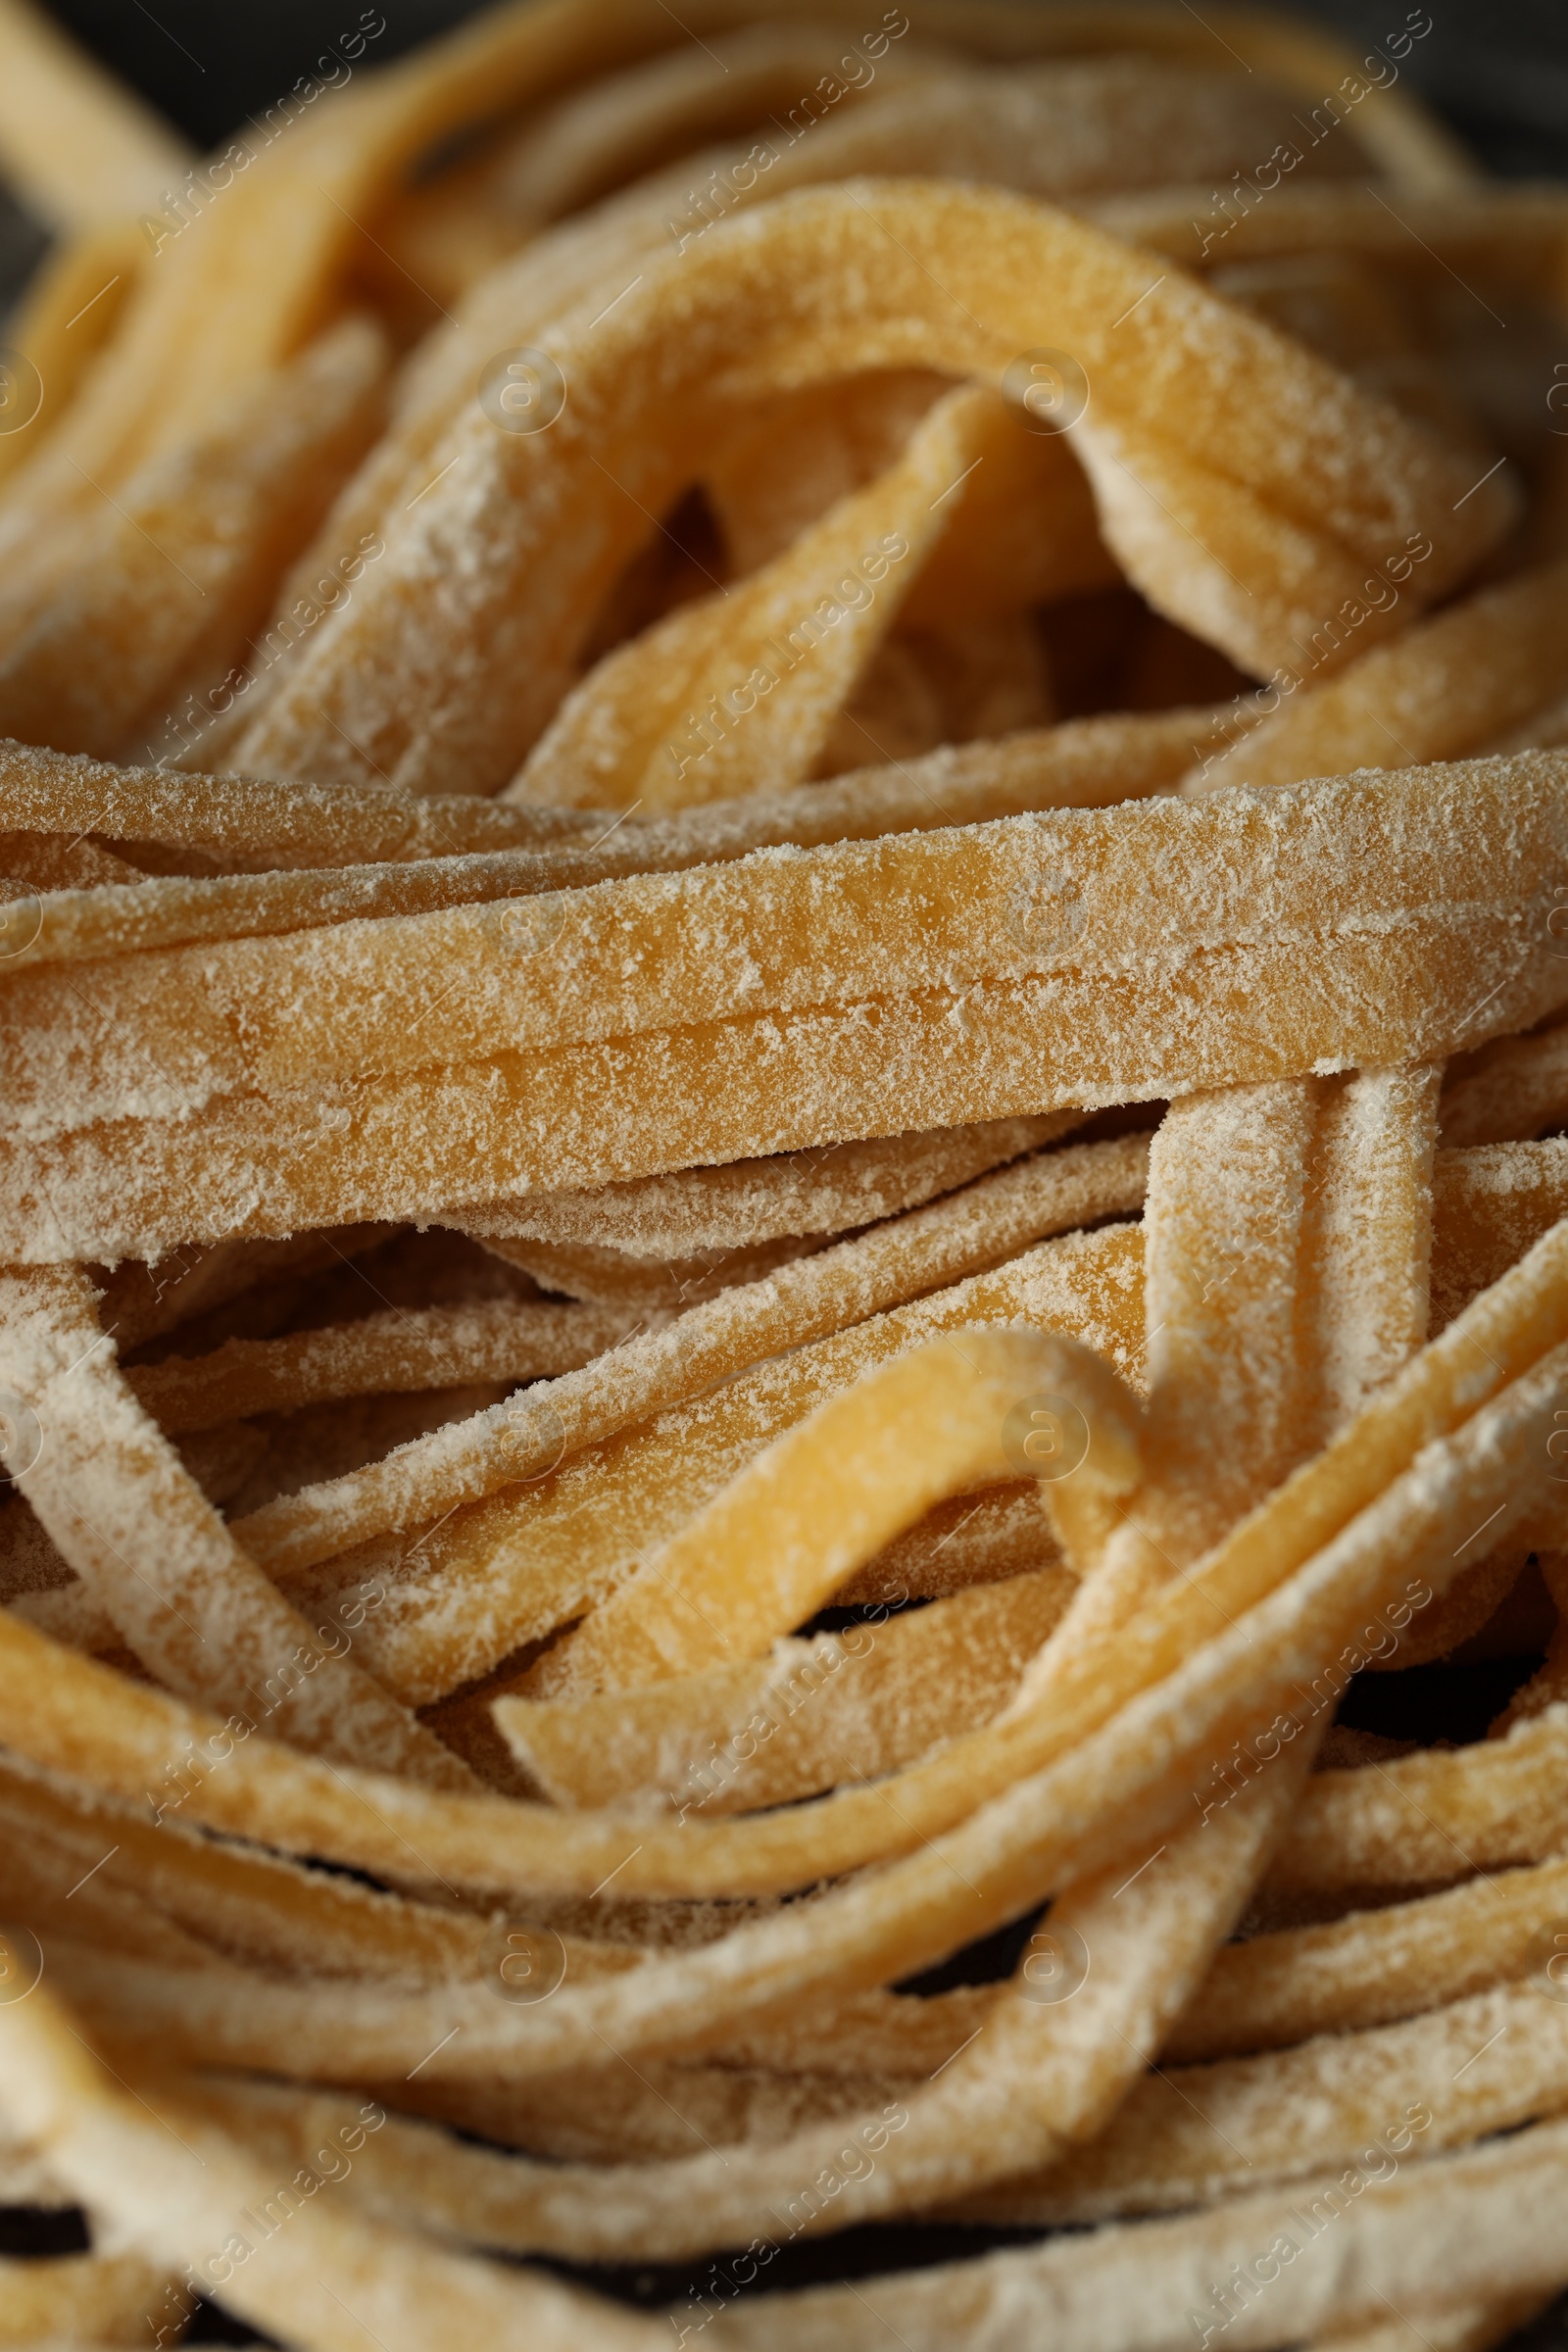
x=86, y=2298
x=615, y=1278
x=64, y=316
x=724, y=2107
x=946, y=680
x=44, y=1879
x=327, y=1441
x=1491, y=1202
x=1450, y=2328
x=259, y=1908
x=458, y=72
x=163, y=1553
x=31, y=863
x=975, y=1540
x=1357, y=311
x=1399, y=135
x=1448, y=687
x=749, y=1201
x=81, y=145
x=1372, y=1229
x=1132, y=2289
x=1222, y=1242
x=1489, y=1205
x=190, y=2205
x=523, y=53
x=394, y=1140
x=1373, y=1966
x=1084, y=762
x=226, y=1462
x=1367, y=1970
x=587, y=2119
x=770, y=283
x=965, y=912
x=1175, y=109
x=249, y=817
x=740, y=689
x=1167, y=2145
x=806, y=1716
x=229, y=2013
x=730, y=946
x=964, y=2290
x=502, y=2179
x=399, y=1349
x=1514, y=1088
x=1156, y=504
x=1272, y=1989
x=1024, y=533
x=621, y=125
x=594, y=2118
x=797, y=671
x=1506, y=241
x=1432, y=1817
x=1407, y=144
x=323, y=176
x=44, y=1874
x=1499, y=232
x=769, y=1551
x=901, y=2036
x=250, y=1905
x=1249, y=1317
x=188, y=533
x=1467, y=1179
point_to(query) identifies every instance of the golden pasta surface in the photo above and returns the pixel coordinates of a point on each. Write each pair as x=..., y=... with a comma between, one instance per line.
x=784, y=1194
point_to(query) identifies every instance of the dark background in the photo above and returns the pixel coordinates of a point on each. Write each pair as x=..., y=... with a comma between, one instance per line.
x=1496, y=71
